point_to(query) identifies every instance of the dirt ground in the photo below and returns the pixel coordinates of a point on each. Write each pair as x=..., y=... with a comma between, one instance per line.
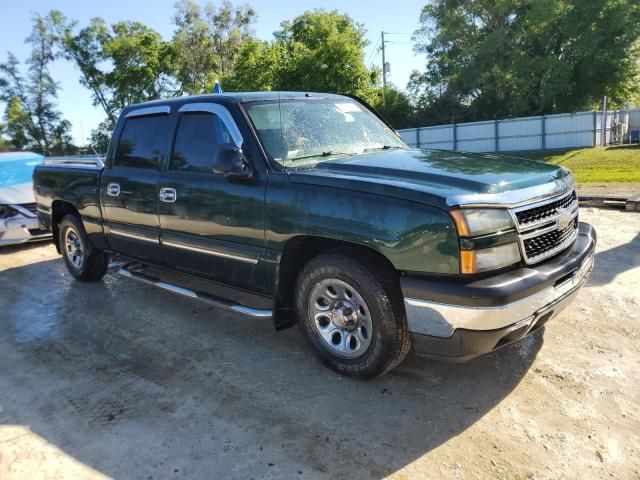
x=118, y=379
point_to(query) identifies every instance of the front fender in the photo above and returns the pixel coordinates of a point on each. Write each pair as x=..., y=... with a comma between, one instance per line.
x=412, y=236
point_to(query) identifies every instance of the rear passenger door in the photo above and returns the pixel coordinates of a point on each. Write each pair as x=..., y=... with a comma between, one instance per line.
x=129, y=183
x=211, y=225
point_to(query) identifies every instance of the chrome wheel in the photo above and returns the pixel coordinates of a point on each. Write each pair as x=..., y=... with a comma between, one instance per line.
x=73, y=248
x=340, y=317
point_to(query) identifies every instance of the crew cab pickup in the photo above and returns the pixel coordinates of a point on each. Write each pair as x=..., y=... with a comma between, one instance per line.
x=309, y=209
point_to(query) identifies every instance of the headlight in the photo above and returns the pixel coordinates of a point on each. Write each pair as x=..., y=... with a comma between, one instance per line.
x=7, y=211
x=476, y=221
x=474, y=225
x=474, y=261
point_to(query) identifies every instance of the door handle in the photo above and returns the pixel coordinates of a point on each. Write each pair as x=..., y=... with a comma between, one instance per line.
x=168, y=195
x=113, y=189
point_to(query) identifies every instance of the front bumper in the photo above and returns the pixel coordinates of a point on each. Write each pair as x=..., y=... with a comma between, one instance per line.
x=21, y=229
x=458, y=320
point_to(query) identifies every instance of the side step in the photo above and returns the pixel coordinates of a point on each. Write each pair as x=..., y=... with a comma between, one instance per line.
x=128, y=271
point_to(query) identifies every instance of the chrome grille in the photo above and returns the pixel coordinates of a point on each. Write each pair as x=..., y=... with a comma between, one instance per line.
x=547, y=228
x=533, y=215
x=542, y=244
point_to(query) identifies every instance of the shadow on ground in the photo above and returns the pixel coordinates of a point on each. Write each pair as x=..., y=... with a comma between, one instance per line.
x=610, y=263
x=137, y=383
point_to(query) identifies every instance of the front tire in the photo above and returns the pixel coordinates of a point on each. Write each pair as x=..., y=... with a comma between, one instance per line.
x=352, y=314
x=83, y=261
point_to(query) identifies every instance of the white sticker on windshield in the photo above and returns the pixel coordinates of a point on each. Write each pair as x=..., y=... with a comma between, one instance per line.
x=348, y=107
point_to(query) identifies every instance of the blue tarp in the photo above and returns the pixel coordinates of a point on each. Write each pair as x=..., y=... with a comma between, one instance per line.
x=17, y=167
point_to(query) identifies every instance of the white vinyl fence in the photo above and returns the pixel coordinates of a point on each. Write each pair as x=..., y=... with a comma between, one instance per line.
x=564, y=130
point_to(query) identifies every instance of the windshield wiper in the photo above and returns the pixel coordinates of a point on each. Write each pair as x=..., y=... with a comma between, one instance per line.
x=323, y=154
x=384, y=147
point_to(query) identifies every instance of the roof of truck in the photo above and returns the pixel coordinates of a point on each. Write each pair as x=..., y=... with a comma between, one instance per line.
x=243, y=97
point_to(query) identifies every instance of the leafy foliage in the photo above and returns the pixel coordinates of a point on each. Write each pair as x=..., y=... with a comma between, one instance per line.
x=207, y=42
x=259, y=67
x=122, y=64
x=316, y=51
x=33, y=120
x=524, y=57
x=395, y=106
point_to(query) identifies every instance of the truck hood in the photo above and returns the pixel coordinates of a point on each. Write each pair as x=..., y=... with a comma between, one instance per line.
x=451, y=178
x=17, y=194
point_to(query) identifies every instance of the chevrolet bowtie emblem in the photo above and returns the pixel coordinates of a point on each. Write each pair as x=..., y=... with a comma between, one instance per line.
x=564, y=220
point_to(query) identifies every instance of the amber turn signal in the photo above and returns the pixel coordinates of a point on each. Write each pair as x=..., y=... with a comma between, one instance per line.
x=461, y=223
x=467, y=261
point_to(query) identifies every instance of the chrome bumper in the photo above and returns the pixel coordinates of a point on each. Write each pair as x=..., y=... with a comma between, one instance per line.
x=442, y=320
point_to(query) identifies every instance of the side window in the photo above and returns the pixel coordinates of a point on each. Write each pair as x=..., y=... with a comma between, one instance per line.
x=141, y=142
x=199, y=137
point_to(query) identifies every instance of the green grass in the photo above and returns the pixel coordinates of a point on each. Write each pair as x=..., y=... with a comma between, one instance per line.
x=595, y=165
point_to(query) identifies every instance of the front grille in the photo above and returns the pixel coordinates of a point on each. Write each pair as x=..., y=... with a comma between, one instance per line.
x=546, y=244
x=544, y=228
x=32, y=207
x=536, y=214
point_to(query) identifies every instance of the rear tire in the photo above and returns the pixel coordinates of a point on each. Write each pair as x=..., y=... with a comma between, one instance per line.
x=352, y=315
x=83, y=261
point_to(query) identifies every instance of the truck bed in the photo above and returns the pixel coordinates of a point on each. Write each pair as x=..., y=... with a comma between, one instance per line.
x=72, y=180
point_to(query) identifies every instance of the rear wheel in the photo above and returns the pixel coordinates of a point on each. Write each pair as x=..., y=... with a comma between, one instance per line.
x=83, y=261
x=352, y=315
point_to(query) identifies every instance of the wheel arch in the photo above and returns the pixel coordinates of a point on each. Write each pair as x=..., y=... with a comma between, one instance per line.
x=301, y=249
x=60, y=208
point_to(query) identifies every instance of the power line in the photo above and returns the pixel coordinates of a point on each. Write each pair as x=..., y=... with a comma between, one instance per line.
x=374, y=53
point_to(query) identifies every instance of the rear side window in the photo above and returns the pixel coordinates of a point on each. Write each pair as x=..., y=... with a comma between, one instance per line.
x=142, y=142
x=200, y=135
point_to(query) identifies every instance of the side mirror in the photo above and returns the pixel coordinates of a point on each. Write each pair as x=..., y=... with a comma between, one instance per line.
x=231, y=162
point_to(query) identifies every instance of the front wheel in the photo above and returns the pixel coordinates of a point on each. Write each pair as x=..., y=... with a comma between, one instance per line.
x=83, y=261
x=352, y=314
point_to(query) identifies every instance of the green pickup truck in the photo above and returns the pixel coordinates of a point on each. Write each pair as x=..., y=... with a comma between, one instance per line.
x=309, y=209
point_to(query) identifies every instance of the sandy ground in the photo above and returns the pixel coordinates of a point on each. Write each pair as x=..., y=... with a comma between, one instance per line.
x=120, y=380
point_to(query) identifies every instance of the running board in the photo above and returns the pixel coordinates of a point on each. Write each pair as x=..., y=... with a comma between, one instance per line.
x=205, y=297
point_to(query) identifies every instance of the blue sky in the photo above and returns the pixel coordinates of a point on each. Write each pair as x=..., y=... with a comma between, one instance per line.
x=74, y=100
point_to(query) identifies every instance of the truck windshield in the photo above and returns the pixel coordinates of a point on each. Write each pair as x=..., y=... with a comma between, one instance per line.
x=303, y=131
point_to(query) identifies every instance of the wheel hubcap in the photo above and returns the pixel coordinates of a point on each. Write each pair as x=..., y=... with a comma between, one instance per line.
x=341, y=318
x=73, y=248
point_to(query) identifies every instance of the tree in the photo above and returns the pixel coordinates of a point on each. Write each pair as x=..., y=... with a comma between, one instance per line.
x=192, y=48
x=85, y=50
x=395, y=106
x=207, y=42
x=324, y=52
x=521, y=57
x=316, y=51
x=140, y=64
x=17, y=124
x=258, y=67
x=232, y=27
x=121, y=64
x=33, y=120
x=101, y=136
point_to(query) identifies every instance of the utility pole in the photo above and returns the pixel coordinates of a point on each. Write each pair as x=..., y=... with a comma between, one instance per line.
x=384, y=70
